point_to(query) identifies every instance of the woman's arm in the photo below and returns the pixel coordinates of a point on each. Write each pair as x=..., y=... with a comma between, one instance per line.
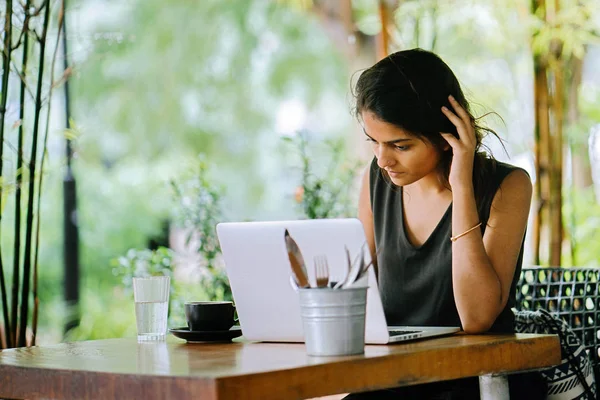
x=483, y=268
x=365, y=214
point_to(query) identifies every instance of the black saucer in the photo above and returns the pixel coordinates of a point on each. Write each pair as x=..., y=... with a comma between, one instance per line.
x=206, y=336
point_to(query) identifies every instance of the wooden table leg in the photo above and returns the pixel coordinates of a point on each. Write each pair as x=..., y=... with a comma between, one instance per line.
x=493, y=387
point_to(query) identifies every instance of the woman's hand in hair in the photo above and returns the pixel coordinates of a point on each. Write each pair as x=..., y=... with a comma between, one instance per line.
x=463, y=147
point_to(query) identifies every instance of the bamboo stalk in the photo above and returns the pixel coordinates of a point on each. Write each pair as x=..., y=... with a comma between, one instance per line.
x=538, y=217
x=32, y=170
x=6, y=54
x=545, y=152
x=36, y=300
x=556, y=223
x=19, y=177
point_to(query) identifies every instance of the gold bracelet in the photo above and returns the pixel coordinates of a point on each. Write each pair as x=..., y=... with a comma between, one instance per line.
x=455, y=238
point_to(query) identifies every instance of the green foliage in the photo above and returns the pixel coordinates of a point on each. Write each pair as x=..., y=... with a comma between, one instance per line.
x=573, y=27
x=324, y=193
x=199, y=210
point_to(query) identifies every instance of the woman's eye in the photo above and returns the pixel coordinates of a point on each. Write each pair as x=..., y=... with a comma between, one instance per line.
x=402, y=148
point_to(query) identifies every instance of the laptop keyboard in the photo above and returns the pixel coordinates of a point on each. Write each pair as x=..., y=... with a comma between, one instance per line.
x=401, y=332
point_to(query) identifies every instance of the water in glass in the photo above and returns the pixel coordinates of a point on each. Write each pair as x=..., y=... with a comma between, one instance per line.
x=151, y=318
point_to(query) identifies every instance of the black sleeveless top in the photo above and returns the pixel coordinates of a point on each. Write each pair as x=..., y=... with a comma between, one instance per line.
x=416, y=283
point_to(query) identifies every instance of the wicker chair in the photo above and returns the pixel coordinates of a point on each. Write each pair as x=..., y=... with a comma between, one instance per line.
x=572, y=294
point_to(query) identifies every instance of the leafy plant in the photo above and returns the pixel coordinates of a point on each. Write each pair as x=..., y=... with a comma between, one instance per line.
x=199, y=210
x=324, y=194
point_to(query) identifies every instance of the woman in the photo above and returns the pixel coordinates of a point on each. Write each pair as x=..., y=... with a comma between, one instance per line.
x=450, y=220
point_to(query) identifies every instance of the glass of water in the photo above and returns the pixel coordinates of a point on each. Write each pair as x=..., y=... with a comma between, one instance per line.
x=151, y=307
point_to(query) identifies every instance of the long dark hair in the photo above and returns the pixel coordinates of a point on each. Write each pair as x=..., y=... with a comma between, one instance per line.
x=408, y=89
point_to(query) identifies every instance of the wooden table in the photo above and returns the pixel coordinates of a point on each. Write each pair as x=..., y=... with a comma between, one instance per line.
x=125, y=369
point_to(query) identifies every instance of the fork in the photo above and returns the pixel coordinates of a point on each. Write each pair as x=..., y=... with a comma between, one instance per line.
x=321, y=271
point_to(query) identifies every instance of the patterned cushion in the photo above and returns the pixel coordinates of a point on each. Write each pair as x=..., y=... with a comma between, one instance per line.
x=573, y=378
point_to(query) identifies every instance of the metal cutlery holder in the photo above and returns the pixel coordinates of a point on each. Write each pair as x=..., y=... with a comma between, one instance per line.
x=333, y=320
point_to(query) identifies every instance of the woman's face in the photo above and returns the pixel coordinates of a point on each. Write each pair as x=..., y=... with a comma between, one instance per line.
x=406, y=158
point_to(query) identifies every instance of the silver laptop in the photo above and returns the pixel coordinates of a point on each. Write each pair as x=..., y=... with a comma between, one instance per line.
x=258, y=269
